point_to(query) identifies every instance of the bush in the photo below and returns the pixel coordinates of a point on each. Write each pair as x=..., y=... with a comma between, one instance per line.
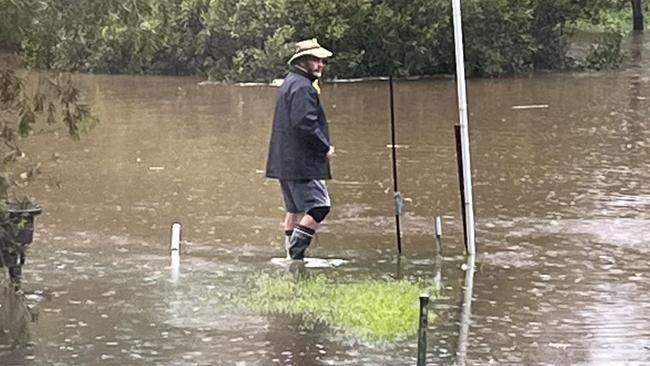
x=605, y=54
x=55, y=100
x=252, y=39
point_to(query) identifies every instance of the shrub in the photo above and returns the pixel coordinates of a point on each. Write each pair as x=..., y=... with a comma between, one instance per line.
x=54, y=101
x=252, y=39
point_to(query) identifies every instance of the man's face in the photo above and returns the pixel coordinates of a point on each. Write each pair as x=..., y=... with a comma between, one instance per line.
x=314, y=65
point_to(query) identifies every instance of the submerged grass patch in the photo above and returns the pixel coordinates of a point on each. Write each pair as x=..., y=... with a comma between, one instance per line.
x=374, y=310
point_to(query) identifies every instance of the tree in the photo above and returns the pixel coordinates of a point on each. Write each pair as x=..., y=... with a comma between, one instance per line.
x=54, y=101
x=637, y=15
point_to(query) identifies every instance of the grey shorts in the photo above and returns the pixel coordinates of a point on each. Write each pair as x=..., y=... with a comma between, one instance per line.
x=303, y=195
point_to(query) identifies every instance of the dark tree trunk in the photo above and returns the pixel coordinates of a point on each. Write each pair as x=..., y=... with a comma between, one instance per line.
x=637, y=15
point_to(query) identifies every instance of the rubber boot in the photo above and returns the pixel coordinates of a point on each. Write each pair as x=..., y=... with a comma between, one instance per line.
x=299, y=243
x=15, y=275
x=287, y=244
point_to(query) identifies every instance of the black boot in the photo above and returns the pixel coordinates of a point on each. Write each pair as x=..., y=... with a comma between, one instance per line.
x=15, y=275
x=287, y=241
x=299, y=242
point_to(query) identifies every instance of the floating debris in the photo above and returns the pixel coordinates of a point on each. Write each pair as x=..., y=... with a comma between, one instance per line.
x=532, y=106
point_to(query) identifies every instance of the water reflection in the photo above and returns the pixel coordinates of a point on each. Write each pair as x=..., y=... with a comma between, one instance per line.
x=15, y=317
x=466, y=311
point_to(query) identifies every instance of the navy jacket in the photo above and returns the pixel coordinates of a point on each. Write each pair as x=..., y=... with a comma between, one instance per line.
x=300, y=136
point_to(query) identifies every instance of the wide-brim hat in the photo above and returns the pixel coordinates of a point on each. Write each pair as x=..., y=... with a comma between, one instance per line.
x=309, y=47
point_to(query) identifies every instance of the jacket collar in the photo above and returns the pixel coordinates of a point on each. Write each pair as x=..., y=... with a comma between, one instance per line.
x=301, y=72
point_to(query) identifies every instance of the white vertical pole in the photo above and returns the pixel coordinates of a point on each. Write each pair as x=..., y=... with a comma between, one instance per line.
x=464, y=128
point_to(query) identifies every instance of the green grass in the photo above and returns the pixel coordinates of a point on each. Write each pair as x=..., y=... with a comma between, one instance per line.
x=371, y=310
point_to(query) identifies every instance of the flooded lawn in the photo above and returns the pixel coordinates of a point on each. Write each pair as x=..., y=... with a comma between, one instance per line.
x=561, y=206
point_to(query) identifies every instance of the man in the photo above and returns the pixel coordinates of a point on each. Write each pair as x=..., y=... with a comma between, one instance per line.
x=300, y=150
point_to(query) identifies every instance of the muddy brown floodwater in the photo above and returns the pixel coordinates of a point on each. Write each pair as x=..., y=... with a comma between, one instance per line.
x=561, y=202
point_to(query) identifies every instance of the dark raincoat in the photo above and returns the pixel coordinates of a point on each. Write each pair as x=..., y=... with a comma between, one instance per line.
x=300, y=136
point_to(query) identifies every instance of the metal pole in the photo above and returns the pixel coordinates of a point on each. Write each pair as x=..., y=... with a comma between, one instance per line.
x=422, y=330
x=464, y=128
x=397, y=196
x=461, y=183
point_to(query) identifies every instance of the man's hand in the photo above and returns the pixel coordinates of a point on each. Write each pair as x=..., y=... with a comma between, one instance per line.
x=331, y=153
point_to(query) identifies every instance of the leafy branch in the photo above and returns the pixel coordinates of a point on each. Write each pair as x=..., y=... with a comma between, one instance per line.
x=54, y=100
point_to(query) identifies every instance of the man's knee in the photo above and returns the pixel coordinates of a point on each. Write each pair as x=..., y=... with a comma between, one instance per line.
x=319, y=213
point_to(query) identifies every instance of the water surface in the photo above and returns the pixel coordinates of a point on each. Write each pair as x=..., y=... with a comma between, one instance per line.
x=560, y=201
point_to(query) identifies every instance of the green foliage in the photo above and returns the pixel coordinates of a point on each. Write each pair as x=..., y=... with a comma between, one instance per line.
x=54, y=99
x=14, y=16
x=506, y=44
x=612, y=21
x=373, y=310
x=247, y=39
x=606, y=54
x=252, y=39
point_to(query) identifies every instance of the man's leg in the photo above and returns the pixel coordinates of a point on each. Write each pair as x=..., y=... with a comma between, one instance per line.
x=314, y=217
x=305, y=230
x=291, y=220
x=314, y=198
x=293, y=215
x=308, y=221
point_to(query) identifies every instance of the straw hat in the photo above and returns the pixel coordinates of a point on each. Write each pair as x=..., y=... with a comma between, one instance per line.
x=309, y=47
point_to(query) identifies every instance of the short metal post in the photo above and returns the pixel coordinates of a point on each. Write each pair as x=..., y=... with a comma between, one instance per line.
x=175, y=251
x=438, y=234
x=175, y=243
x=422, y=331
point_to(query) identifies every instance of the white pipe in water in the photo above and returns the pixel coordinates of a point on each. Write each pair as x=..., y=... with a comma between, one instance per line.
x=464, y=128
x=176, y=237
x=438, y=227
x=175, y=247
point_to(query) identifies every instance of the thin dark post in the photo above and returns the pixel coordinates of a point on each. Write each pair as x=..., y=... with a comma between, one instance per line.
x=461, y=180
x=637, y=15
x=422, y=331
x=396, y=194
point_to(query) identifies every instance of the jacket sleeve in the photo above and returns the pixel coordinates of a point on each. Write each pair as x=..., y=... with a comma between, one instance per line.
x=304, y=118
